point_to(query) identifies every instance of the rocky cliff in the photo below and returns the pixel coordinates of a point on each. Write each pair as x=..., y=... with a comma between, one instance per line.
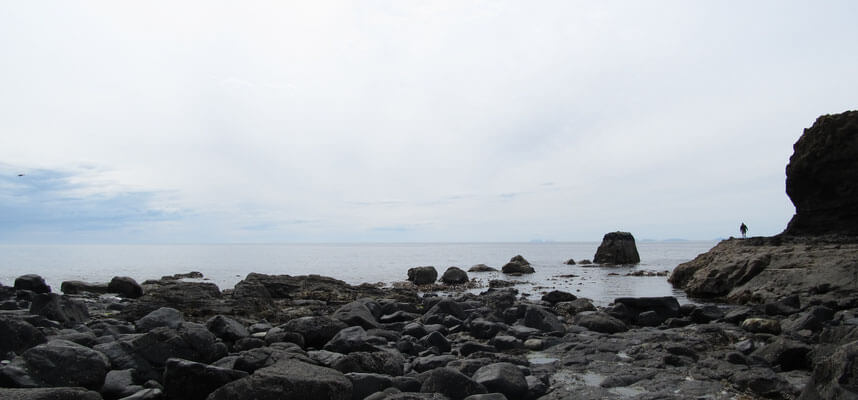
x=817, y=255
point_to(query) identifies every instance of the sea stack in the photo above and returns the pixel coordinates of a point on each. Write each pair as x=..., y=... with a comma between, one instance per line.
x=820, y=177
x=617, y=248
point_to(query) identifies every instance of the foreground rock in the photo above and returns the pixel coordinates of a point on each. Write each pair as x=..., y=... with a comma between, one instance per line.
x=617, y=248
x=289, y=379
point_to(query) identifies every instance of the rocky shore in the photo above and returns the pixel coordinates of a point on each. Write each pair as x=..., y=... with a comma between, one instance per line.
x=317, y=337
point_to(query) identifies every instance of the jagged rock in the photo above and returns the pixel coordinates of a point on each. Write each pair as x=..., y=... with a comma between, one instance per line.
x=188, y=380
x=483, y=329
x=316, y=330
x=454, y=276
x=189, y=341
x=290, y=379
x=426, y=363
x=812, y=319
x=77, y=287
x=570, y=261
x=125, y=287
x=191, y=298
x=444, y=307
x=17, y=336
x=482, y=268
x=62, y=309
x=785, y=353
x=451, y=383
x=422, y=275
x=821, y=177
x=33, y=283
x=436, y=340
x=834, y=378
x=617, y=248
x=146, y=394
x=503, y=378
x=58, y=393
x=227, y=328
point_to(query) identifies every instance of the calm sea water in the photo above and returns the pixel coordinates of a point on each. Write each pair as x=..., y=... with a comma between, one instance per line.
x=225, y=265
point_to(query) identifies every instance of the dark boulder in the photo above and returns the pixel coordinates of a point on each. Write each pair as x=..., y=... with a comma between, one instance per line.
x=78, y=287
x=365, y=384
x=821, y=177
x=33, y=283
x=503, y=378
x=125, y=287
x=62, y=309
x=316, y=330
x=664, y=307
x=426, y=363
x=785, y=353
x=119, y=383
x=483, y=329
x=617, y=248
x=290, y=379
x=556, y=296
x=17, y=336
x=540, y=318
x=454, y=276
x=422, y=275
x=358, y=313
x=188, y=380
x=261, y=357
x=451, y=383
x=445, y=307
x=517, y=265
x=813, y=319
x=61, y=363
x=436, y=340
x=353, y=338
x=189, y=341
x=600, y=322
x=227, y=328
x=164, y=316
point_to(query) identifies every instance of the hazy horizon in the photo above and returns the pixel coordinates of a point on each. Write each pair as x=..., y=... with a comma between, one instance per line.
x=413, y=122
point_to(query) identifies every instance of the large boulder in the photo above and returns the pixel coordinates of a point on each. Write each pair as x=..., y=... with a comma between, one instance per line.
x=289, y=379
x=125, y=287
x=422, y=275
x=316, y=330
x=62, y=363
x=164, y=316
x=503, y=378
x=227, y=328
x=77, y=287
x=359, y=313
x=454, y=276
x=617, y=248
x=32, y=282
x=820, y=177
x=517, y=265
x=663, y=307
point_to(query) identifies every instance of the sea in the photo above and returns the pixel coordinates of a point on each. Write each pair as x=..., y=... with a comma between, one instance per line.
x=376, y=263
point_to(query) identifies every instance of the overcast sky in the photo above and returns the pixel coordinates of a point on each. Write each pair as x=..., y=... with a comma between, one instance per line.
x=313, y=121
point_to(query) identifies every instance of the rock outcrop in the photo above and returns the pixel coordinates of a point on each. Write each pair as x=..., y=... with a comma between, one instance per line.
x=617, y=248
x=821, y=177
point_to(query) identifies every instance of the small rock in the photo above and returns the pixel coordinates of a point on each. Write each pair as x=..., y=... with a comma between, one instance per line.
x=422, y=275
x=556, y=296
x=482, y=268
x=762, y=325
x=454, y=276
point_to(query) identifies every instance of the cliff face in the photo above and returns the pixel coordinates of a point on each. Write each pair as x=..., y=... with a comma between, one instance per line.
x=817, y=255
x=822, y=177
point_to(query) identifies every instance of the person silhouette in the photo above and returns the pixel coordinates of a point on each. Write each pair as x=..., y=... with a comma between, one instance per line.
x=743, y=228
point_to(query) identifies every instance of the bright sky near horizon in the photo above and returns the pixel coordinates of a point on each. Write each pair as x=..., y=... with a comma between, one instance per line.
x=317, y=121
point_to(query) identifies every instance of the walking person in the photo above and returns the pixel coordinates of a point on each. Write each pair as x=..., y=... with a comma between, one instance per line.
x=744, y=229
